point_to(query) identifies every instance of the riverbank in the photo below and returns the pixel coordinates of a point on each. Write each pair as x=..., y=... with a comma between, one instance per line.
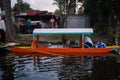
x=27, y=38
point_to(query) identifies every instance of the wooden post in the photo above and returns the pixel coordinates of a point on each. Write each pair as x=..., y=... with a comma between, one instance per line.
x=82, y=41
x=37, y=40
x=33, y=45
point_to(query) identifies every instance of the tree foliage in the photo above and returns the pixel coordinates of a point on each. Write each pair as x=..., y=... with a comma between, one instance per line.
x=67, y=7
x=100, y=9
x=1, y=5
x=104, y=14
x=21, y=6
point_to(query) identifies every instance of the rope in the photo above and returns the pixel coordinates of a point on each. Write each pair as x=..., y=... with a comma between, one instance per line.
x=33, y=50
x=47, y=52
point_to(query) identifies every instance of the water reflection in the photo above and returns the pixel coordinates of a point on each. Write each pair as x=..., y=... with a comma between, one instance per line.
x=28, y=67
x=107, y=69
x=6, y=68
x=75, y=68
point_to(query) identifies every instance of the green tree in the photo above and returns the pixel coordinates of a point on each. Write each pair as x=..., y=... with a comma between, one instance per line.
x=66, y=8
x=104, y=14
x=99, y=12
x=21, y=6
x=1, y=5
x=115, y=15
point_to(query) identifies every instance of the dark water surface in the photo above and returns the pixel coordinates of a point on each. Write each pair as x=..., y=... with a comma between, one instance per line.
x=59, y=68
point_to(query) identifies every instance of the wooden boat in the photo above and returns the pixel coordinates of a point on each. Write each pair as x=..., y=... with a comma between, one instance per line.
x=35, y=49
x=113, y=46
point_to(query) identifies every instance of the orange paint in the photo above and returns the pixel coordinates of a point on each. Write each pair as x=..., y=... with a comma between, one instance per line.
x=62, y=51
x=33, y=45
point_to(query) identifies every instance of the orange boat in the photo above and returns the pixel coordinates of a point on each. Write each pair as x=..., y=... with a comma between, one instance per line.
x=62, y=51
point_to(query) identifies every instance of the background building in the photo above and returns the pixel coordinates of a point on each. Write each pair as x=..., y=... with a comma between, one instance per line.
x=27, y=21
x=78, y=22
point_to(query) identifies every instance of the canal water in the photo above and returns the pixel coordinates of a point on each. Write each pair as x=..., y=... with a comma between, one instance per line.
x=28, y=67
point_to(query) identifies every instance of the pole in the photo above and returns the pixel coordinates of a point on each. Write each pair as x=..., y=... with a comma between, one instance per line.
x=52, y=18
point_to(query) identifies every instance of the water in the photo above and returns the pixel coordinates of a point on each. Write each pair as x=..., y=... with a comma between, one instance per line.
x=59, y=68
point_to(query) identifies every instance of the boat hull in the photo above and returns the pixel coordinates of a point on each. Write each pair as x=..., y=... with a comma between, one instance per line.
x=62, y=51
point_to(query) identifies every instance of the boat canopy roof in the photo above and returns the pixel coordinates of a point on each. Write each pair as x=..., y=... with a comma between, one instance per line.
x=63, y=31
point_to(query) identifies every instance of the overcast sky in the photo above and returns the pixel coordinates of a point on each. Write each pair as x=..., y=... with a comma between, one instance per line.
x=39, y=4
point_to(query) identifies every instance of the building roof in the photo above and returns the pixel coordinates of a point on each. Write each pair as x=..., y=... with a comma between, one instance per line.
x=37, y=15
x=38, y=12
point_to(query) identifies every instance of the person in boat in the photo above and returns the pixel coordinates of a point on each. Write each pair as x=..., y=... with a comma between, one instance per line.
x=100, y=44
x=88, y=42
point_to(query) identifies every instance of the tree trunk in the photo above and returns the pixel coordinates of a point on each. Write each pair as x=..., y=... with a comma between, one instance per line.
x=10, y=30
x=117, y=33
x=71, y=7
x=70, y=10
